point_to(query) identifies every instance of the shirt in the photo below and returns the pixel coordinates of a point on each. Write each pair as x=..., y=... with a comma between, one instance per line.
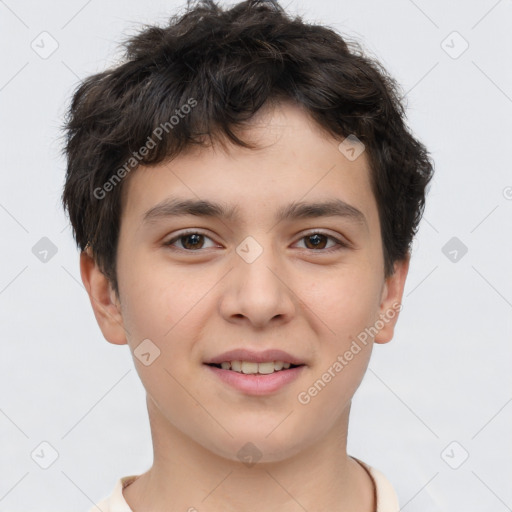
x=385, y=495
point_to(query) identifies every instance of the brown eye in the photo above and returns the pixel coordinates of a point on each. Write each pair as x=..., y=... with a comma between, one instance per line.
x=191, y=241
x=194, y=241
x=318, y=242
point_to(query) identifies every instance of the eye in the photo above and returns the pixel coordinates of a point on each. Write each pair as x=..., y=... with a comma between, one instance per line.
x=317, y=241
x=189, y=241
x=193, y=241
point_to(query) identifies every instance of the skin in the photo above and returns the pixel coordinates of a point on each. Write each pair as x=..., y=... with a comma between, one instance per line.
x=194, y=305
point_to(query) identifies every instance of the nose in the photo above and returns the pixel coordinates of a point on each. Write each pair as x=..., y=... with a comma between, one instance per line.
x=258, y=292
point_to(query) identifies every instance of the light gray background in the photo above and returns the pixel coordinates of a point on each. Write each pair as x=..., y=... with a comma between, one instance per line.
x=445, y=377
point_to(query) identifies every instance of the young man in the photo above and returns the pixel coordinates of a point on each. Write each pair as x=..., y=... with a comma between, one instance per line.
x=244, y=191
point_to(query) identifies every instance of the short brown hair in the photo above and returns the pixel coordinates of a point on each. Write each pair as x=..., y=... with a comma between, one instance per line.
x=231, y=62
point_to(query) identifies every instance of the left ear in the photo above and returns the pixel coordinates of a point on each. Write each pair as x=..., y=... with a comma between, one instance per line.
x=391, y=300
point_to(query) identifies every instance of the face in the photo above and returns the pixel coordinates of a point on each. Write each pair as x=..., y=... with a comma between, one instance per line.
x=256, y=277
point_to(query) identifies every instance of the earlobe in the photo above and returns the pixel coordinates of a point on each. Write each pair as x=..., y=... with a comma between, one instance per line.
x=104, y=300
x=391, y=301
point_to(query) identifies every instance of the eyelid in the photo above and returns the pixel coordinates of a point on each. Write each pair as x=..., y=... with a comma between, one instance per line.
x=337, y=237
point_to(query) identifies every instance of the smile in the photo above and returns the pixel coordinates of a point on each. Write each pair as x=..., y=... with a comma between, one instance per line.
x=253, y=381
x=251, y=368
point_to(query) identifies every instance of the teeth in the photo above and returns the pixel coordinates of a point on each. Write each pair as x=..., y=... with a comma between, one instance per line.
x=265, y=368
x=249, y=367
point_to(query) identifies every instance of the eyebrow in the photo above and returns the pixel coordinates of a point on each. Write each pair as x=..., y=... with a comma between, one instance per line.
x=175, y=207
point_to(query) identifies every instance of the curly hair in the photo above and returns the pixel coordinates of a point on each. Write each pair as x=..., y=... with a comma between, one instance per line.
x=227, y=64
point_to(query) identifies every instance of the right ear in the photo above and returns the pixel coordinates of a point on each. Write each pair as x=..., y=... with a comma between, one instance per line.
x=104, y=300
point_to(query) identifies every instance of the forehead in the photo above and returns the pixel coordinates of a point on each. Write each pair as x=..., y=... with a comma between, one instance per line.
x=295, y=162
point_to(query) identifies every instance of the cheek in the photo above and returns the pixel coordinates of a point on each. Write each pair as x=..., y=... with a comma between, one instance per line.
x=158, y=299
x=327, y=395
x=347, y=305
x=346, y=302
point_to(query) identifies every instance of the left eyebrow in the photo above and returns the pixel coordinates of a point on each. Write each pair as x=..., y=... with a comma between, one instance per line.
x=175, y=207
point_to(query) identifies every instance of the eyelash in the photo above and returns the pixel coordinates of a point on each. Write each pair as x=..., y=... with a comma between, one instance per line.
x=339, y=243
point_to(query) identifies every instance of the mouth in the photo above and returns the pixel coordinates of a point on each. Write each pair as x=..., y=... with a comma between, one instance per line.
x=254, y=368
x=248, y=379
x=256, y=373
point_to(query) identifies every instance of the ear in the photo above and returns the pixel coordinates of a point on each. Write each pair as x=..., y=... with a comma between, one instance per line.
x=391, y=300
x=104, y=300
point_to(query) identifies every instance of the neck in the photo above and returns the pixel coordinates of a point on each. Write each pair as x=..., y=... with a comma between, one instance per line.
x=186, y=476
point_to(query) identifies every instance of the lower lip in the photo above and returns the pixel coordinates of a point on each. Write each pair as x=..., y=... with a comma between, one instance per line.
x=257, y=384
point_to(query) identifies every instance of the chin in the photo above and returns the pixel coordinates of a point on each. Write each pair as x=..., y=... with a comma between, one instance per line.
x=251, y=446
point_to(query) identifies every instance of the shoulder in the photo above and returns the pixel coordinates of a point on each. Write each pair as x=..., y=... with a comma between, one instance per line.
x=116, y=502
x=386, y=498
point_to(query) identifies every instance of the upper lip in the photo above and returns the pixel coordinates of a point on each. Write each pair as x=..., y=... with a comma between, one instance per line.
x=255, y=357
